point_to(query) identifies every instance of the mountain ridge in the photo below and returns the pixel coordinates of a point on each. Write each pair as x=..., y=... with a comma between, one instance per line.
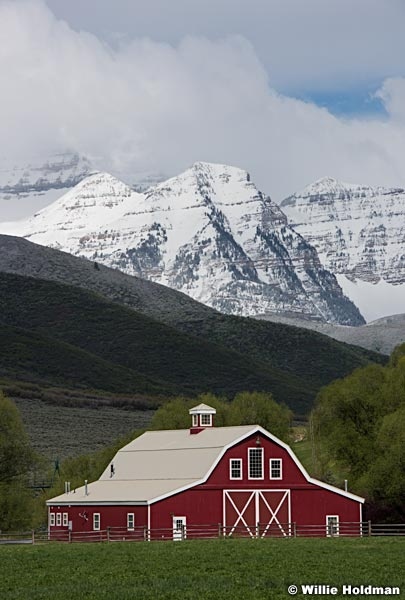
x=208, y=232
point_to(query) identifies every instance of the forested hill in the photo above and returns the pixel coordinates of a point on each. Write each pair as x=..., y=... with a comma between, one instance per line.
x=314, y=358
x=160, y=359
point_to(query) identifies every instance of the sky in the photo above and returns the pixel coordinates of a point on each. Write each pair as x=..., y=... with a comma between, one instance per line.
x=289, y=90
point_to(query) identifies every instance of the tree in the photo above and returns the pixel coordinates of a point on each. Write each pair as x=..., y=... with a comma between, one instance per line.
x=16, y=454
x=247, y=408
x=251, y=408
x=16, y=460
x=358, y=426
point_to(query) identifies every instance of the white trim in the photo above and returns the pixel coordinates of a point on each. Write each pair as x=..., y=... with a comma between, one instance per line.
x=131, y=516
x=51, y=519
x=96, y=516
x=65, y=519
x=328, y=534
x=239, y=460
x=194, y=420
x=183, y=534
x=281, y=468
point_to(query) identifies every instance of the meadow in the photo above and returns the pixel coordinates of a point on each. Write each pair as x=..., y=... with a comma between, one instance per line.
x=198, y=570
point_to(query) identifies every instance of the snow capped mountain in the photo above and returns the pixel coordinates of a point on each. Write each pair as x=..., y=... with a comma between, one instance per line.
x=208, y=232
x=359, y=233
x=38, y=181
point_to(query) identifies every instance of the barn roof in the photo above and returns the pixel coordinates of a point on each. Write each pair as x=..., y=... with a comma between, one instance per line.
x=160, y=463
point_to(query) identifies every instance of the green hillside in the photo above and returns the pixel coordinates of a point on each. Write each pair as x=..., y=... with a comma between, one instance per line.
x=151, y=357
x=313, y=357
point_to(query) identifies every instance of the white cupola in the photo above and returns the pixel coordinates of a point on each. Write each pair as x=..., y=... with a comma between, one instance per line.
x=202, y=417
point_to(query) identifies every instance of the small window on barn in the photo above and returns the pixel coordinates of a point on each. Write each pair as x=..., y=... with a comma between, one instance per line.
x=206, y=420
x=276, y=468
x=51, y=519
x=65, y=519
x=255, y=463
x=332, y=525
x=130, y=521
x=235, y=468
x=58, y=519
x=195, y=420
x=96, y=521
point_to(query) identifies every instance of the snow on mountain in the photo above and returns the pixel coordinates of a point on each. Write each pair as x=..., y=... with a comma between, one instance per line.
x=359, y=233
x=38, y=182
x=208, y=232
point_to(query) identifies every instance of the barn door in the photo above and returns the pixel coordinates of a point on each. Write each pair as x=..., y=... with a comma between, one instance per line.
x=256, y=512
x=179, y=528
x=274, y=512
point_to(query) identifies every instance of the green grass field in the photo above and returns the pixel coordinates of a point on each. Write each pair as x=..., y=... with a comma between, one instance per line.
x=210, y=569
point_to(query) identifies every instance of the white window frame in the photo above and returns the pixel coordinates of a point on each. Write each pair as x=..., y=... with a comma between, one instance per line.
x=280, y=461
x=335, y=533
x=96, y=517
x=195, y=420
x=130, y=518
x=239, y=460
x=209, y=420
x=65, y=519
x=58, y=519
x=51, y=519
x=262, y=455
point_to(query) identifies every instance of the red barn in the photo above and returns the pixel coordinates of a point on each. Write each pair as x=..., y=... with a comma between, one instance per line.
x=241, y=479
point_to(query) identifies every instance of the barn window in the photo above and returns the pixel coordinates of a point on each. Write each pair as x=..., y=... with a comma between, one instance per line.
x=276, y=471
x=195, y=420
x=130, y=521
x=96, y=521
x=255, y=463
x=332, y=525
x=65, y=520
x=206, y=419
x=51, y=519
x=58, y=519
x=235, y=468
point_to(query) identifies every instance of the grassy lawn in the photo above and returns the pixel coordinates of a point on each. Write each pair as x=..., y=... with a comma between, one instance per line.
x=214, y=569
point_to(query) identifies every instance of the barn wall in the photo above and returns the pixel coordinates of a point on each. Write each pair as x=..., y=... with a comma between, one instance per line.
x=312, y=505
x=110, y=516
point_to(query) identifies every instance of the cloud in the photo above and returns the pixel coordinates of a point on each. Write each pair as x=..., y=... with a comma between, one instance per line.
x=311, y=45
x=149, y=106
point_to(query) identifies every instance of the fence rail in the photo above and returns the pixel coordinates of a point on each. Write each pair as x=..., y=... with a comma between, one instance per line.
x=205, y=531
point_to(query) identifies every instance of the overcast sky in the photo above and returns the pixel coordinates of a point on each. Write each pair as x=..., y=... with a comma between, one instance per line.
x=291, y=90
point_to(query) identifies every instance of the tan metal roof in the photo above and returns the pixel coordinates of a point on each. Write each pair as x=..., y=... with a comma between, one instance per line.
x=158, y=463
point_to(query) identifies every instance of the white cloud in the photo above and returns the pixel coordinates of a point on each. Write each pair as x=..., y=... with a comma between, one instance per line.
x=154, y=106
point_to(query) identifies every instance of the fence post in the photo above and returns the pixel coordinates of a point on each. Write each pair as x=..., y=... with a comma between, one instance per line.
x=257, y=530
x=295, y=529
x=145, y=534
x=369, y=528
x=70, y=536
x=219, y=529
x=182, y=532
x=108, y=534
x=33, y=536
